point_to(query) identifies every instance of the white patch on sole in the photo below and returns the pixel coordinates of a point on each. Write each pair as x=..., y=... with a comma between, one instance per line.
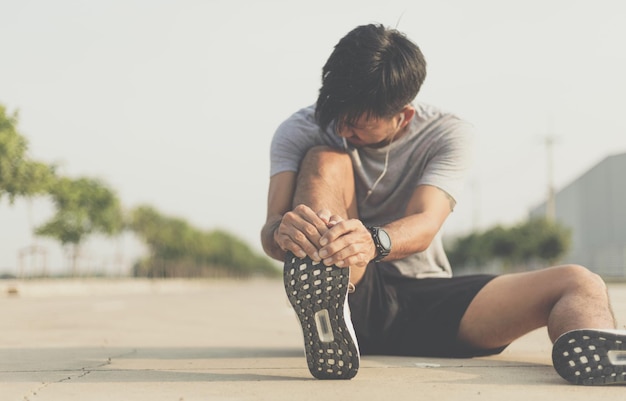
x=617, y=357
x=324, y=330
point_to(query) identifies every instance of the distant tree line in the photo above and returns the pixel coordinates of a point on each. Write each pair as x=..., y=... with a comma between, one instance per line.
x=179, y=250
x=86, y=206
x=530, y=243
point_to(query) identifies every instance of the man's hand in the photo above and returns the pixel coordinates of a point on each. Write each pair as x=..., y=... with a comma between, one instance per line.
x=348, y=243
x=300, y=231
x=325, y=237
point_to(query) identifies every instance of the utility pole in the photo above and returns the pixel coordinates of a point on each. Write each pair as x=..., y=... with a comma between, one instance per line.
x=551, y=202
x=476, y=203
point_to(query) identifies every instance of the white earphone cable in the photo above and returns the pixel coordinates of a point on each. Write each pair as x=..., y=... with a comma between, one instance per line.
x=380, y=177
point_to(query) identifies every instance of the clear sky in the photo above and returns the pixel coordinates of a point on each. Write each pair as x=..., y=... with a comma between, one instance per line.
x=173, y=103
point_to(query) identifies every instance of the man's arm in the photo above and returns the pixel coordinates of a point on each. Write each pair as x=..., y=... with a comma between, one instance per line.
x=279, y=202
x=348, y=241
x=425, y=214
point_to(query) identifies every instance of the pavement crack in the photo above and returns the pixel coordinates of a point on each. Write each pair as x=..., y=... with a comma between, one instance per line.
x=80, y=373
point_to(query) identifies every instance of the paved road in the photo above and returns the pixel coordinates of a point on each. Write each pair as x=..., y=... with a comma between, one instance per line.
x=228, y=340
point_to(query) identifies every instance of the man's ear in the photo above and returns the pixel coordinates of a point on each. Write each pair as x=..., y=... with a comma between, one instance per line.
x=407, y=114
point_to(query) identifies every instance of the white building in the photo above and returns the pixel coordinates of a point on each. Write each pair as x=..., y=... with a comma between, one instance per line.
x=594, y=208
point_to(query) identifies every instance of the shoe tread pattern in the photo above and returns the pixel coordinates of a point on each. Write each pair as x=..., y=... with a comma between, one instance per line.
x=582, y=357
x=312, y=287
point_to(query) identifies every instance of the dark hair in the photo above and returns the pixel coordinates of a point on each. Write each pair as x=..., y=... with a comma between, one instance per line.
x=372, y=71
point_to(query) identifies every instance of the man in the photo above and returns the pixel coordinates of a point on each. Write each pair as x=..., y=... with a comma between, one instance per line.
x=361, y=184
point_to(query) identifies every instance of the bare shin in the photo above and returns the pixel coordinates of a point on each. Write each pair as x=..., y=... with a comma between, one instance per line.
x=326, y=181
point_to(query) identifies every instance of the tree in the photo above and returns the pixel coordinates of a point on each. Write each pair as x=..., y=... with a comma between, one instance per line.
x=535, y=240
x=83, y=207
x=178, y=249
x=19, y=176
x=545, y=240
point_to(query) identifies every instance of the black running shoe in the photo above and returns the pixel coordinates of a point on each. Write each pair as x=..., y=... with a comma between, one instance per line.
x=591, y=357
x=319, y=295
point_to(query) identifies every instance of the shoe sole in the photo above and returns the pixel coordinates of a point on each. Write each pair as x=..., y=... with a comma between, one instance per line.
x=317, y=294
x=591, y=357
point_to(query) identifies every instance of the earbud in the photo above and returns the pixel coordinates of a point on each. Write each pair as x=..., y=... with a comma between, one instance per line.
x=401, y=120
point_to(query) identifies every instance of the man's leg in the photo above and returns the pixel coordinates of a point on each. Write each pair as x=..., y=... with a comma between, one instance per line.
x=565, y=299
x=319, y=293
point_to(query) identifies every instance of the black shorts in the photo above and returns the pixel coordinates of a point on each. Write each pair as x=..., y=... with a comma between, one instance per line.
x=395, y=315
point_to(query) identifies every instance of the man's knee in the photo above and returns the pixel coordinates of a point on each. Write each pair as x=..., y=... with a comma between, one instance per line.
x=580, y=278
x=326, y=181
x=324, y=161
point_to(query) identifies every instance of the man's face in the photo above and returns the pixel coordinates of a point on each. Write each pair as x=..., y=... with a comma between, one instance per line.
x=372, y=132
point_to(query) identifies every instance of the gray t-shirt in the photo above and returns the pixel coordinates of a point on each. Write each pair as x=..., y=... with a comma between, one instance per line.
x=435, y=151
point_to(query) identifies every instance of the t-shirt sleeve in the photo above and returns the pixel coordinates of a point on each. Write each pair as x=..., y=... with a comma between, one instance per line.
x=292, y=139
x=451, y=159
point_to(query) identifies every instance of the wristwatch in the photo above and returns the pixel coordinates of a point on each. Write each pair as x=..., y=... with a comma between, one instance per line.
x=382, y=242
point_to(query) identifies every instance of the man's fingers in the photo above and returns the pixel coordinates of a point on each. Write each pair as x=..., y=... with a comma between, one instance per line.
x=353, y=254
x=308, y=220
x=291, y=239
x=324, y=215
x=339, y=228
x=300, y=232
x=334, y=219
x=345, y=244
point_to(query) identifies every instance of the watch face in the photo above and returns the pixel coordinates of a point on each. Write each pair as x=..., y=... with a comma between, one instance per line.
x=384, y=239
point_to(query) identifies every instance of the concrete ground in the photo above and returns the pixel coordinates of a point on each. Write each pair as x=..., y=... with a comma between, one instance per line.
x=228, y=340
